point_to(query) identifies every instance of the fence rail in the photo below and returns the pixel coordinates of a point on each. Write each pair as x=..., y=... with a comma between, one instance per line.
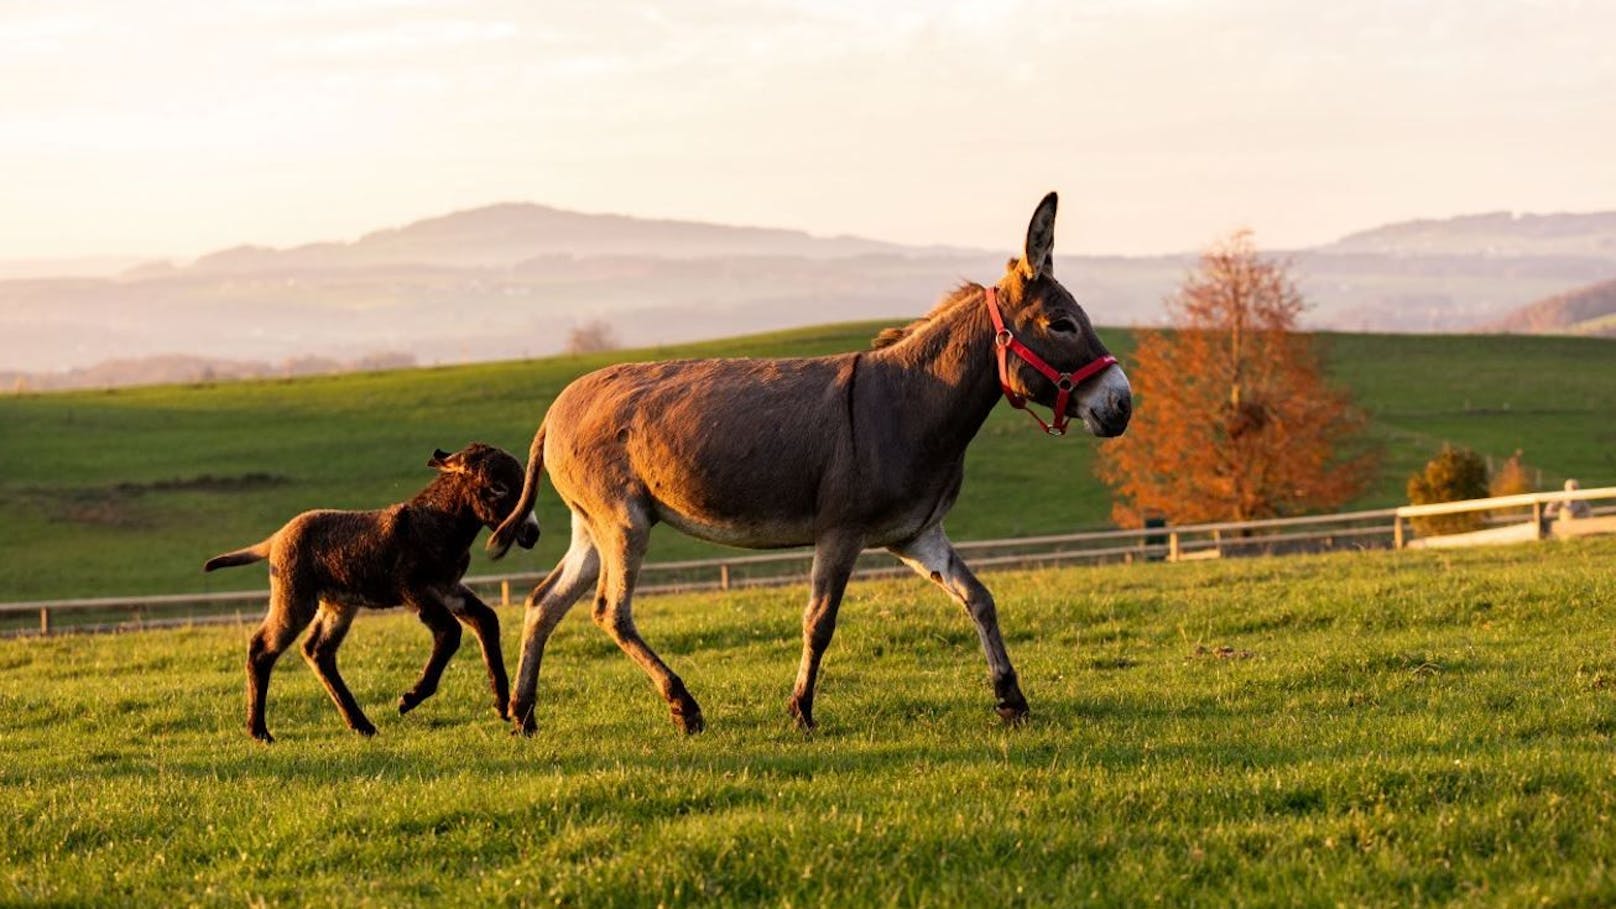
x=1374, y=529
x=1512, y=530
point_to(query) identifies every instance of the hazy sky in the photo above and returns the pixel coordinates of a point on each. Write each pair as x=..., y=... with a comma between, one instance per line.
x=180, y=127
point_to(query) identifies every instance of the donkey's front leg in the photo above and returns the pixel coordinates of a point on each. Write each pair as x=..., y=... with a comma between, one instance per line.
x=933, y=556
x=834, y=556
x=484, y=623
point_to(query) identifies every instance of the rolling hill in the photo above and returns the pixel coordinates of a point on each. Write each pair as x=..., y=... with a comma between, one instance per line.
x=128, y=491
x=1589, y=310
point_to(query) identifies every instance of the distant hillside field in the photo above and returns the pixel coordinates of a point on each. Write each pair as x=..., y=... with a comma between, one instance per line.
x=1587, y=310
x=129, y=491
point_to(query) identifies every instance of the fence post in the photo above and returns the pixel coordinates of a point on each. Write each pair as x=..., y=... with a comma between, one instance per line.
x=1397, y=531
x=1537, y=518
x=505, y=592
x=1172, y=546
x=44, y=621
x=723, y=576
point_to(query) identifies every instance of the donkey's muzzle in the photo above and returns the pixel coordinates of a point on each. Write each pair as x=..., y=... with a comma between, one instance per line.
x=1111, y=420
x=1107, y=407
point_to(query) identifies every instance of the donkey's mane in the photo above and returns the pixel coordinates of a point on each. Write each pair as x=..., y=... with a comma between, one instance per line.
x=890, y=336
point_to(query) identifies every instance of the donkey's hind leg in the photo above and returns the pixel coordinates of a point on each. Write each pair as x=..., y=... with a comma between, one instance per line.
x=622, y=549
x=932, y=556
x=445, y=641
x=834, y=556
x=320, y=650
x=547, y=605
x=288, y=615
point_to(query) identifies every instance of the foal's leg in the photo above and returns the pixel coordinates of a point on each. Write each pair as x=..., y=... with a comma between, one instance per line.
x=484, y=623
x=547, y=605
x=288, y=615
x=933, y=556
x=622, y=550
x=445, y=641
x=320, y=650
x=834, y=556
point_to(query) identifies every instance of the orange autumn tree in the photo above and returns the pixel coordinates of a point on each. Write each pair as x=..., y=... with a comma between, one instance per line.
x=1233, y=418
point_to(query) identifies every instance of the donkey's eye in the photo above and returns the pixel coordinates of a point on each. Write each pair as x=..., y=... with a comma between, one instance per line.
x=1063, y=325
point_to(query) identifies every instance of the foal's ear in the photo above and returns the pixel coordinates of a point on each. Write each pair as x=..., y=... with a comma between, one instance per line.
x=439, y=459
x=1037, y=259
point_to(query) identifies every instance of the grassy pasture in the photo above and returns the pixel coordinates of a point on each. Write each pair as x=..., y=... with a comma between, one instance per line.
x=1373, y=729
x=127, y=492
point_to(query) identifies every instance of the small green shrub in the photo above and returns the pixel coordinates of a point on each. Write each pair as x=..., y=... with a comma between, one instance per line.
x=1453, y=475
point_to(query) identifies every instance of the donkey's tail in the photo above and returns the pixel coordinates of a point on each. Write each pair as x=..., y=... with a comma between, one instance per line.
x=255, y=553
x=500, y=542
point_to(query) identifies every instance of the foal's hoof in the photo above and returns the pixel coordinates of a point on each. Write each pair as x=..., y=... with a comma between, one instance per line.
x=502, y=710
x=408, y=701
x=688, y=720
x=365, y=728
x=1013, y=714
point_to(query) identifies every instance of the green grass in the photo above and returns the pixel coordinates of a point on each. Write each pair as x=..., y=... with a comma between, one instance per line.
x=1385, y=729
x=1554, y=398
x=104, y=493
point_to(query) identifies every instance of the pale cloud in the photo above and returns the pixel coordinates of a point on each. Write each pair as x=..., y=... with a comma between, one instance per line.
x=46, y=34
x=1162, y=121
x=402, y=38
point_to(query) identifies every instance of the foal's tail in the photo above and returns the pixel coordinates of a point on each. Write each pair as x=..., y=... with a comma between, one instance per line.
x=254, y=553
x=500, y=542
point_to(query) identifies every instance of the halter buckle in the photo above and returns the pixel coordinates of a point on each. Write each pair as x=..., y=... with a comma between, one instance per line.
x=1055, y=430
x=1064, y=382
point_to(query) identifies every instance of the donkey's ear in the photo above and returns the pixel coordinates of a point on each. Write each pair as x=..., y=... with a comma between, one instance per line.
x=1037, y=259
x=439, y=459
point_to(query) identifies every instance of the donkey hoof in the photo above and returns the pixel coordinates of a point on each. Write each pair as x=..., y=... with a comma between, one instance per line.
x=522, y=718
x=262, y=735
x=364, y=728
x=801, y=714
x=503, y=711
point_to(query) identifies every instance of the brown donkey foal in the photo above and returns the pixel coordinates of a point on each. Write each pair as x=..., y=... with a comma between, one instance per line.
x=325, y=565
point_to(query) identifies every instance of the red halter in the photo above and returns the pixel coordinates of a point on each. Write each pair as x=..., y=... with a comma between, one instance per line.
x=1005, y=343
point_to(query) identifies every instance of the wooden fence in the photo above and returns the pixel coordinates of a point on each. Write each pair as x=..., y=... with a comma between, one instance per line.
x=1516, y=519
x=1376, y=529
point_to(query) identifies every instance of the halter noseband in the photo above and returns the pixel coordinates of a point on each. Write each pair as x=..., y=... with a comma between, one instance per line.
x=1005, y=343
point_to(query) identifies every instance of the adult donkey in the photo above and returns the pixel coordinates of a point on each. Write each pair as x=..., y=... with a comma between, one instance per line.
x=841, y=452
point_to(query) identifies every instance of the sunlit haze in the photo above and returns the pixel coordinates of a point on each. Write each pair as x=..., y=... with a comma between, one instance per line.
x=176, y=128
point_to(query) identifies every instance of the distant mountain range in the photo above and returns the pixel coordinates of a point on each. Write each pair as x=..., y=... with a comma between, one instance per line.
x=513, y=280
